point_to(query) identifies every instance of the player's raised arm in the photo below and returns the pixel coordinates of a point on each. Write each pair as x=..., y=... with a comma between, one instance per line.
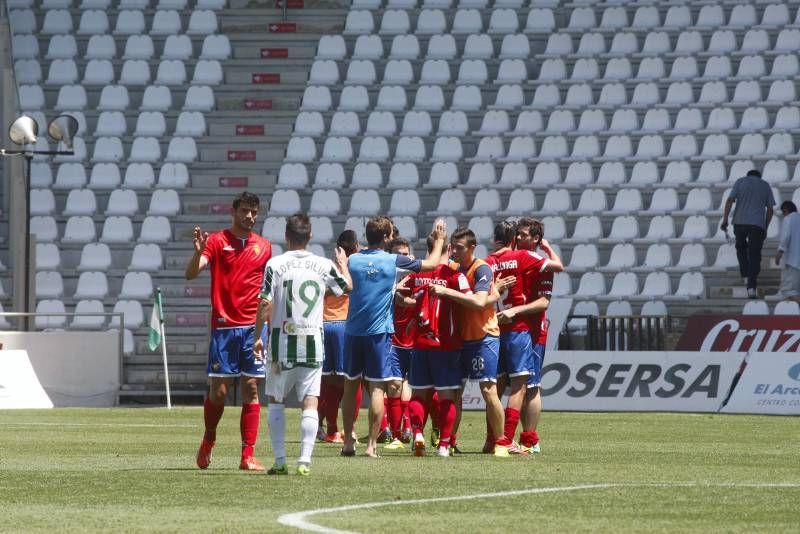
x=554, y=264
x=434, y=257
x=198, y=261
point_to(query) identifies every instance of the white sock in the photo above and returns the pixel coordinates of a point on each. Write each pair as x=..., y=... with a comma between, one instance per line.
x=277, y=432
x=308, y=435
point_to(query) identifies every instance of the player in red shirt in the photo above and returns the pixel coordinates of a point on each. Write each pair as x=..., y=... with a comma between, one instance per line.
x=436, y=358
x=516, y=343
x=398, y=428
x=530, y=237
x=236, y=258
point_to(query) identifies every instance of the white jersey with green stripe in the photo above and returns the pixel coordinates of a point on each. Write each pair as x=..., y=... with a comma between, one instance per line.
x=295, y=284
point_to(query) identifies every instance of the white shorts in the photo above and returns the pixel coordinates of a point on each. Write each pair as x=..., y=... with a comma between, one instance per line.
x=790, y=281
x=305, y=381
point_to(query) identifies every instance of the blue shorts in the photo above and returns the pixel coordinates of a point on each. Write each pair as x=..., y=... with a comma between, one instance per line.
x=230, y=352
x=400, y=360
x=516, y=354
x=368, y=357
x=479, y=359
x=333, y=333
x=435, y=369
x=535, y=378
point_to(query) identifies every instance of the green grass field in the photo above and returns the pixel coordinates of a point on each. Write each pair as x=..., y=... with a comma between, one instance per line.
x=78, y=470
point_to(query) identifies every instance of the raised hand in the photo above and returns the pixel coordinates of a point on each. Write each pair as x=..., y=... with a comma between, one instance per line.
x=200, y=239
x=439, y=229
x=503, y=283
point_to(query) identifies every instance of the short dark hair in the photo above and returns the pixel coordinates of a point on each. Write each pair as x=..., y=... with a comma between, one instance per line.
x=754, y=172
x=348, y=241
x=298, y=228
x=536, y=226
x=400, y=242
x=246, y=198
x=504, y=232
x=378, y=229
x=788, y=206
x=464, y=233
x=430, y=241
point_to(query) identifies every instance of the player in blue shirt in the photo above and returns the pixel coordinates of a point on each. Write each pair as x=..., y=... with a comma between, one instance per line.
x=370, y=324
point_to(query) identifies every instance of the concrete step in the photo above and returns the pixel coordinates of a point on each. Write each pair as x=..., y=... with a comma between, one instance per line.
x=271, y=54
x=260, y=184
x=244, y=77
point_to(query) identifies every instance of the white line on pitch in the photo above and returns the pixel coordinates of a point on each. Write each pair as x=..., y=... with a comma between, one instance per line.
x=299, y=519
x=130, y=425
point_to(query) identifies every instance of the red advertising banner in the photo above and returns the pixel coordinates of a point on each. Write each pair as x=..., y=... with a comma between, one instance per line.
x=249, y=129
x=197, y=291
x=219, y=207
x=241, y=155
x=291, y=4
x=282, y=27
x=274, y=53
x=250, y=103
x=741, y=333
x=266, y=78
x=233, y=181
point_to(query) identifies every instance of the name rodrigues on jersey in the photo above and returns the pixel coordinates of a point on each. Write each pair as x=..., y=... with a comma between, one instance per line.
x=428, y=281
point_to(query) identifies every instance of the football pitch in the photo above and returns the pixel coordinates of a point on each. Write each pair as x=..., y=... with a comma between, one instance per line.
x=132, y=470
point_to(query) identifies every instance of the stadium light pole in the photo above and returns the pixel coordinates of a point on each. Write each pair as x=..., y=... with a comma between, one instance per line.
x=23, y=132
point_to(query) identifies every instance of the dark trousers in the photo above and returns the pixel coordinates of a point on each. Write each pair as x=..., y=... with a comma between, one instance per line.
x=749, y=241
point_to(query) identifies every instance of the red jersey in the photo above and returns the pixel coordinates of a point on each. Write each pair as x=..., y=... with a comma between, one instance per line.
x=525, y=265
x=404, y=326
x=237, y=270
x=437, y=319
x=540, y=285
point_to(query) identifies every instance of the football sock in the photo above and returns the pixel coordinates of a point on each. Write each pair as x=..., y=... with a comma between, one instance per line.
x=322, y=404
x=526, y=439
x=416, y=409
x=512, y=418
x=433, y=408
x=406, y=420
x=248, y=426
x=395, y=409
x=277, y=430
x=212, y=413
x=308, y=434
x=447, y=418
x=385, y=419
x=332, y=408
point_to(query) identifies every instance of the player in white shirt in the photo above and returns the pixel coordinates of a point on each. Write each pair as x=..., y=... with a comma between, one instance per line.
x=291, y=301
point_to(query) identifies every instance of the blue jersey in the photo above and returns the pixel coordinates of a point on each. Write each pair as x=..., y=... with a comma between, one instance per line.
x=374, y=273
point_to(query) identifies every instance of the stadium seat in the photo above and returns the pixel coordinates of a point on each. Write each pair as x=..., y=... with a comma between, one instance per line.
x=155, y=229
x=133, y=316
x=91, y=285
x=54, y=306
x=44, y=227
x=691, y=285
x=364, y=202
x=366, y=176
x=585, y=257
x=146, y=257
x=95, y=257
x=88, y=315
x=622, y=257
x=136, y=285
x=404, y=202
x=79, y=202
x=656, y=285
x=49, y=284
x=787, y=307
x=48, y=257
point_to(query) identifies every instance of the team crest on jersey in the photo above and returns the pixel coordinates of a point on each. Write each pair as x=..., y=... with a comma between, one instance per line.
x=372, y=272
x=257, y=249
x=289, y=327
x=215, y=366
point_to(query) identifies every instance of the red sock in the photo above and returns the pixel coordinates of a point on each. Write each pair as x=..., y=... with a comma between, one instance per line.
x=503, y=441
x=433, y=408
x=395, y=409
x=359, y=395
x=322, y=403
x=417, y=414
x=406, y=421
x=385, y=419
x=447, y=418
x=335, y=394
x=526, y=438
x=512, y=418
x=248, y=425
x=211, y=415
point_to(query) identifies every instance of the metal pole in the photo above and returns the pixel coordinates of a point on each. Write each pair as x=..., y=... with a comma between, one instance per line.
x=28, y=266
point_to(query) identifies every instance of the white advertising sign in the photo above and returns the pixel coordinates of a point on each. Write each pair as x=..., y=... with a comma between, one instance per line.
x=770, y=384
x=638, y=381
x=19, y=386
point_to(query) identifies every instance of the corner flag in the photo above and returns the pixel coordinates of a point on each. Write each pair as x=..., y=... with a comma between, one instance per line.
x=154, y=336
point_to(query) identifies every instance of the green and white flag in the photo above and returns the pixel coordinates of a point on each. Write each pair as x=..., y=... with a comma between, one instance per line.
x=156, y=317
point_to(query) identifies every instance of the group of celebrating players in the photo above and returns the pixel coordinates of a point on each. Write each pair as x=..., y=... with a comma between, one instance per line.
x=411, y=332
